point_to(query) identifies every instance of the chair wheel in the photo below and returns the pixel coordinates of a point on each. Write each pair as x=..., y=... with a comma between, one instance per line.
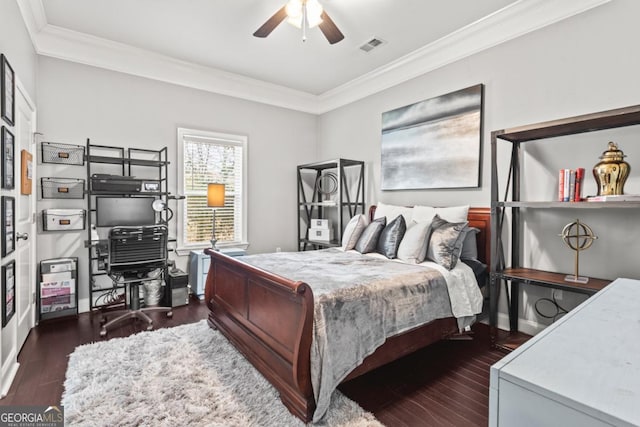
x=103, y=332
x=149, y=327
x=169, y=313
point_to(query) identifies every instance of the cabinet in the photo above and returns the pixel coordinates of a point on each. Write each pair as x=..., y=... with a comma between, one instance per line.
x=581, y=371
x=119, y=166
x=517, y=274
x=332, y=191
x=199, y=267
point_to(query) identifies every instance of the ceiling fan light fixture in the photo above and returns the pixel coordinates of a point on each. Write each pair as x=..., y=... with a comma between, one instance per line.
x=303, y=14
x=314, y=13
x=295, y=10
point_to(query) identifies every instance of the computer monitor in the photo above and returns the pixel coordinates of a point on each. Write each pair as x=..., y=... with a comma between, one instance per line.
x=114, y=211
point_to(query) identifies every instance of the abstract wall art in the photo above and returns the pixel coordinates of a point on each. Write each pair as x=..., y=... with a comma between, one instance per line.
x=434, y=143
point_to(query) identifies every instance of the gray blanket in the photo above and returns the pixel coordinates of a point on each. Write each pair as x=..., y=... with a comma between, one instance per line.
x=359, y=301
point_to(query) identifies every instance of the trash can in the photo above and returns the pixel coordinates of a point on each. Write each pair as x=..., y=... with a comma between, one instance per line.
x=153, y=291
x=179, y=285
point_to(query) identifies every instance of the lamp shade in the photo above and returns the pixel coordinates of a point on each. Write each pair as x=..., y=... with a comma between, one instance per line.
x=215, y=195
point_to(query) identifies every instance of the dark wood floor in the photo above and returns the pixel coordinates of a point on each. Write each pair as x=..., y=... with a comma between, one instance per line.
x=446, y=384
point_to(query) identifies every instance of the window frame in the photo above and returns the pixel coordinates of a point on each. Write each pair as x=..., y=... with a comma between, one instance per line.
x=234, y=139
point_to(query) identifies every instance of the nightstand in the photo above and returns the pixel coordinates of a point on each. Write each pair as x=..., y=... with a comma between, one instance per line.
x=199, y=267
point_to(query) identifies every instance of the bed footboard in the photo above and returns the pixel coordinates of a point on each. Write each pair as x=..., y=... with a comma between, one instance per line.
x=268, y=318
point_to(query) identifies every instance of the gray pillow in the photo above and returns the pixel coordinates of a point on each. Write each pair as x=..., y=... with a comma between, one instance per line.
x=391, y=236
x=445, y=242
x=469, y=244
x=369, y=238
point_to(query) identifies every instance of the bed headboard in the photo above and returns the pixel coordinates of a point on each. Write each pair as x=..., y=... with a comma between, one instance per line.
x=479, y=218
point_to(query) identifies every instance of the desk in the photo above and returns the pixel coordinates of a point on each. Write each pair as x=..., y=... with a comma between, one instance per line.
x=582, y=370
x=199, y=267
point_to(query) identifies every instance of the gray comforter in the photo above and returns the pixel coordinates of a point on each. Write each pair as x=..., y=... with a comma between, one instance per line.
x=359, y=301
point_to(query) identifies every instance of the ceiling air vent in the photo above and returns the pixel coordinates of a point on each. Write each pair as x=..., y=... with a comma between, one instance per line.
x=371, y=44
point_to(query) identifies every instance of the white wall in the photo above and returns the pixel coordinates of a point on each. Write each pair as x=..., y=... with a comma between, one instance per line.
x=77, y=102
x=582, y=65
x=16, y=45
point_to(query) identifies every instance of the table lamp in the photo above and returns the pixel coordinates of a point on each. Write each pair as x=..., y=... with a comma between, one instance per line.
x=215, y=199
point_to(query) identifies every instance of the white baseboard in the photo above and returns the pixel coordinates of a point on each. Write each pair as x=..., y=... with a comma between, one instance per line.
x=83, y=305
x=526, y=326
x=9, y=371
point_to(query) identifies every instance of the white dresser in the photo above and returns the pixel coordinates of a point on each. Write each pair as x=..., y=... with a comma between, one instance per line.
x=584, y=370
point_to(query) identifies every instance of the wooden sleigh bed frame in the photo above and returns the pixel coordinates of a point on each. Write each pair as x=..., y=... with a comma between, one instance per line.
x=269, y=319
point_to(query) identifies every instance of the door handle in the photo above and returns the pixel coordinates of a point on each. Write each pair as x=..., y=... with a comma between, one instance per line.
x=23, y=236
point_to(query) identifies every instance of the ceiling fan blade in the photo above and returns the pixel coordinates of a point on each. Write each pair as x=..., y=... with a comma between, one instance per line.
x=329, y=29
x=271, y=23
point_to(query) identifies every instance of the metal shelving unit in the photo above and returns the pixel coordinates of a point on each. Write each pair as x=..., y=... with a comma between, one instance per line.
x=517, y=274
x=338, y=206
x=126, y=162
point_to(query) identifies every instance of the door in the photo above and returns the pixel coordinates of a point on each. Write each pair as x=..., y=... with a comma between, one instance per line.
x=26, y=267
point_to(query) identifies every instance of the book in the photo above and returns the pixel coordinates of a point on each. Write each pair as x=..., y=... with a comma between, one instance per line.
x=615, y=198
x=561, y=185
x=567, y=177
x=579, y=184
x=572, y=185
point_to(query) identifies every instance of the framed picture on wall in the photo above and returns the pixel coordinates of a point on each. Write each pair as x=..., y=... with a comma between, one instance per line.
x=26, y=172
x=8, y=88
x=8, y=151
x=8, y=292
x=435, y=143
x=8, y=225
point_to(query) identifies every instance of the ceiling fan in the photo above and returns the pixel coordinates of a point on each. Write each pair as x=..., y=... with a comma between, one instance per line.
x=303, y=14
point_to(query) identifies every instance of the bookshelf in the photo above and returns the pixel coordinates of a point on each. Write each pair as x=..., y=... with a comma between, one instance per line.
x=516, y=274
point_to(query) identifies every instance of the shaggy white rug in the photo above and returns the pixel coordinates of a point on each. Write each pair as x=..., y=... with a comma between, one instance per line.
x=188, y=375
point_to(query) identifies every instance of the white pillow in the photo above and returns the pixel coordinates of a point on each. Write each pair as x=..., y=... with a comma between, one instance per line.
x=451, y=214
x=413, y=247
x=391, y=212
x=353, y=230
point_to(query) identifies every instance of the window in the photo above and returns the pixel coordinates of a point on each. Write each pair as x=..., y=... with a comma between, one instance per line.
x=210, y=157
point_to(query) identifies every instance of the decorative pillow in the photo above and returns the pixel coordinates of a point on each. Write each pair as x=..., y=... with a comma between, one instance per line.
x=391, y=236
x=392, y=211
x=369, y=237
x=451, y=214
x=479, y=270
x=445, y=242
x=353, y=230
x=469, y=244
x=413, y=247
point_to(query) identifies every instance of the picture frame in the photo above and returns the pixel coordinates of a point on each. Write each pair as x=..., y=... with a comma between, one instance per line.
x=8, y=159
x=435, y=143
x=8, y=90
x=8, y=225
x=26, y=172
x=8, y=292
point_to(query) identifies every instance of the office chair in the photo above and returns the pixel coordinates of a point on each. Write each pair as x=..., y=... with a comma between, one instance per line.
x=133, y=253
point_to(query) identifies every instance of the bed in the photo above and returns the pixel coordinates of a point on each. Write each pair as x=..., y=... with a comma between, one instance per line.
x=270, y=319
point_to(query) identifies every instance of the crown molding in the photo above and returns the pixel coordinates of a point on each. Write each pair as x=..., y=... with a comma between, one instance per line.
x=34, y=17
x=86, y=49
x=513, y=21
